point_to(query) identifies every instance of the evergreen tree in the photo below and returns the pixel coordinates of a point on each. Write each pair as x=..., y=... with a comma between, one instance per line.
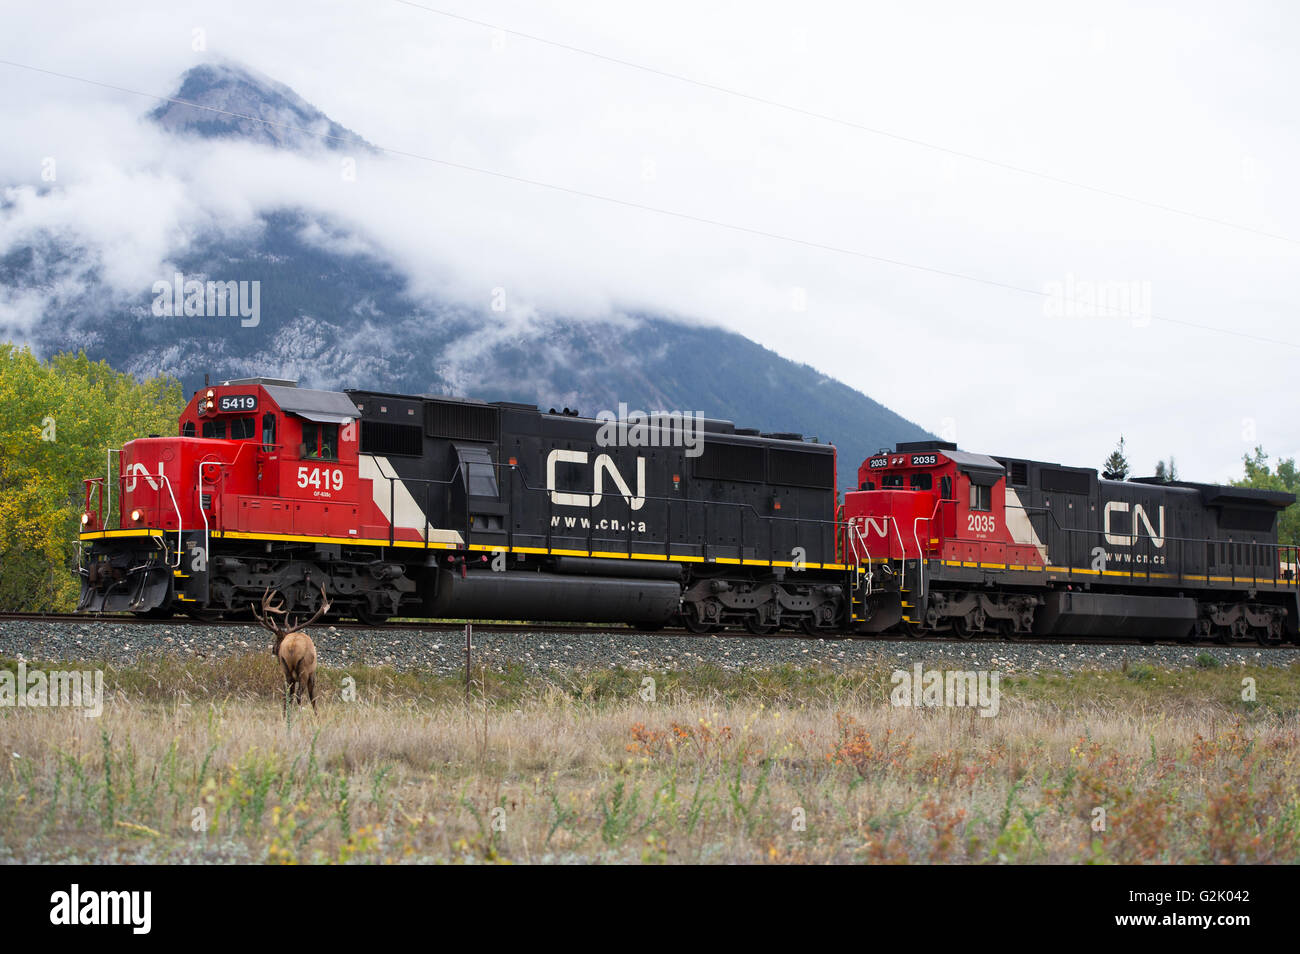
x=1116, y=466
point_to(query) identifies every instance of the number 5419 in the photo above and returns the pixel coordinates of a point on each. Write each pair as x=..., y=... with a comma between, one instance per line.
x=322, y=478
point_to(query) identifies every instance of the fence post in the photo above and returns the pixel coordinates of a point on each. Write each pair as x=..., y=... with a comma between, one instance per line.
x=469, y=645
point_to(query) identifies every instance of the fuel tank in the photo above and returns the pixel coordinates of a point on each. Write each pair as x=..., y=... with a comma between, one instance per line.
x=483, y=594
x=1116, y=614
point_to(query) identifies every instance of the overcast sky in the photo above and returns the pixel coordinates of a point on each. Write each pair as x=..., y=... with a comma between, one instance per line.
x=1190, y=106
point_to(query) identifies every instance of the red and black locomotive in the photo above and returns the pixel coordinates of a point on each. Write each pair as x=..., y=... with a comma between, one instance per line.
x=436, y=507
x=444, y=508
x=1019, y=547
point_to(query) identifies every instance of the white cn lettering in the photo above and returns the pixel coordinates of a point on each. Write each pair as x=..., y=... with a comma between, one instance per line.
x=604, y=465
x=1139, y=514
x=139, y=470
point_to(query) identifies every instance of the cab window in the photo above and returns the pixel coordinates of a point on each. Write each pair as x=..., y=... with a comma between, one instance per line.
x=268, y=433
x=320, y=441
x=236, y=429
x=922, y=482
x=981, y=497
x=891, y=480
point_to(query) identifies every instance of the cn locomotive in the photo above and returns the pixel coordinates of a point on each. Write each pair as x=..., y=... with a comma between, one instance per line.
x=1018, y=547
x=443, y=508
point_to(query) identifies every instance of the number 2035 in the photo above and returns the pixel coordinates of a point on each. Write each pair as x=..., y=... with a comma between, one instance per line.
x=981, y=523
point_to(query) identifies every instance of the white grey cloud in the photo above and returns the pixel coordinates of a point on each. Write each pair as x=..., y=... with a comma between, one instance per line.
x=1182, y=105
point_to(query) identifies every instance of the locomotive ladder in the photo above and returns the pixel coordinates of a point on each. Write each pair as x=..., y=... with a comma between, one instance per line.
x=857, y=590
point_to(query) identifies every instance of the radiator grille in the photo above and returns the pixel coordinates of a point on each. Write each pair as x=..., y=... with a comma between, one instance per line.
x=380, y=437
x=791, y=468
x=730, y=462
x=461, y=422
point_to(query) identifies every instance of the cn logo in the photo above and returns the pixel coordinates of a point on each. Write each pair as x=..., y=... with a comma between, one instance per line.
x=870, y=526
x=139, y=470
x=602, y=467
x=1139, y=515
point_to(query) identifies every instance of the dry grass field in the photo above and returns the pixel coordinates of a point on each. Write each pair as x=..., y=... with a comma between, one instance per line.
x=194, y=761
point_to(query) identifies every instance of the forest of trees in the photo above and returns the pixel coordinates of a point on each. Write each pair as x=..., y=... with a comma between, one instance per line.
x=57, y=420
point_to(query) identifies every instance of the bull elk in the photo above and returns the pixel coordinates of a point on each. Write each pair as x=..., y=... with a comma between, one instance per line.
x=293, y=647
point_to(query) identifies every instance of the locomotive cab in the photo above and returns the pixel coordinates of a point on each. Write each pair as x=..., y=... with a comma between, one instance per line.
x=927, y=505
x=252, y=456
x=929, y=500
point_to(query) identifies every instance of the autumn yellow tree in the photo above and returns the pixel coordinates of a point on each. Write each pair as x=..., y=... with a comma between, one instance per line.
x=58, y=418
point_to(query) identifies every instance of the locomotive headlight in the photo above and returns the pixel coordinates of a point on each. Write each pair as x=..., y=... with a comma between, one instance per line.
x=136, y=515
x=211, y=394
x=85, y=519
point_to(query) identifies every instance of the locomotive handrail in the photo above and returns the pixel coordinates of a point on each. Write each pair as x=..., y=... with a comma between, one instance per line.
x=108, y=481
x=741, y=507
x=95, y=483
x=207, y=539
x=853, y=531
x=207, y=536
x=748, y=507
x=1232, y=565
x=920, y=556
x=902, y=547
x=180, y=523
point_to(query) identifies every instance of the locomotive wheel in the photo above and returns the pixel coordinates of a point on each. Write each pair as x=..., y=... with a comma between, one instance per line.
x=810, y=627
x=1006, y=628
x=912, y=630
x=961, y=629
x=364, y=615
x=1264, y=637
x=1221, y=635
x=691, y=620
x=758, y=628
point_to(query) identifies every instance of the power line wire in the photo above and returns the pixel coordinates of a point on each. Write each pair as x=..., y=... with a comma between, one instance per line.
x=840, y=121
x=626, y=203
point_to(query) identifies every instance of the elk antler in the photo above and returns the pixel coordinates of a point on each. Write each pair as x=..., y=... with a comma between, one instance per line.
x=300, y=626
x=270, y=609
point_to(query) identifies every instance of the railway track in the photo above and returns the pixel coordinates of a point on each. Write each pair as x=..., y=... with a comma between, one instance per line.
x=434, y=626
x=125, y=619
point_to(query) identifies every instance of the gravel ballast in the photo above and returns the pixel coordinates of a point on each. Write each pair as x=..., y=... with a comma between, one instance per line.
x=442, y=652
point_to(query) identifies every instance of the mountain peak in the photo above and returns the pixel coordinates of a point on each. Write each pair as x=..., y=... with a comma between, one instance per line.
x=226, y=88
